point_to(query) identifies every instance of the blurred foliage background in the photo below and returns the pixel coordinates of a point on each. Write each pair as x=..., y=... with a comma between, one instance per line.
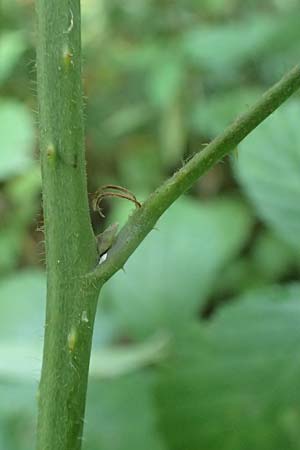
x=197, y=343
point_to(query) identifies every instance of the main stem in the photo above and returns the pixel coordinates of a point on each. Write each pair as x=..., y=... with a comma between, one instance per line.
x=70, y=243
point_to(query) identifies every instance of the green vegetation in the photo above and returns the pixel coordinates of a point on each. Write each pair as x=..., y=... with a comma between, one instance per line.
x=196, y=342
x=70, y=243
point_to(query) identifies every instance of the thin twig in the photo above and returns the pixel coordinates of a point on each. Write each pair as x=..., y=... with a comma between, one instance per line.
x=144, y=218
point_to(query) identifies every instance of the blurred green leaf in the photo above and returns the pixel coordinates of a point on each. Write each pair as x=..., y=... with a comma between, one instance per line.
x=165, y=78
x=10, y=244
x=175, y=268
x=127, y=120
x=223, y=49
x=272, y=257
x=115, y=360
x=172, y=134
x=236, y=278
x=22, y=193
x=211, y=115
x=216, y=7
x=140, y=166
x=12, y=45
x=269, y=259
x=21, y=329
x=17, y=137
x=22, y=305
x=23, y=188
x=234, y=384
x=94, y=22
x=281, y=49
x=121, y=415
x=17, y=415
x=268, y=168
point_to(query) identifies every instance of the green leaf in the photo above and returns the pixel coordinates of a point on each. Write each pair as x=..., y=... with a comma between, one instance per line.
x=234, y=384
x=22, y=306
x=121, y=414
x=175, y=268
x=11, y=245
x=272, y=257
x=268, y=168
x=282, y=46
x=114, y=361
x=223, y=49
x=127, y=120
x=140, y=170
x=12, y=45
x=17, y=136
x=21, y=194
x=165, y=78
x=21, y=329
x=172, y=134
x=17, y=415
x=211, y=116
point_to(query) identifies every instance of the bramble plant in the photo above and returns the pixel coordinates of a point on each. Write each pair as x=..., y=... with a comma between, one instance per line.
x=74, y=275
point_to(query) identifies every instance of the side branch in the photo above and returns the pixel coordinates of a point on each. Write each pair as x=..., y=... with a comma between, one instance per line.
x=142, y=221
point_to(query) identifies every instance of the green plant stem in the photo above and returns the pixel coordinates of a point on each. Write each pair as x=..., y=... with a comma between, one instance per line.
x=70, y=243
x=143, y=219
x=73, y=277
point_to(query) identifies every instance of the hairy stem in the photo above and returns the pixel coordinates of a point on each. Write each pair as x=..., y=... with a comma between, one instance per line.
x=73, y=277
x=70, y=243
x=143, y=219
